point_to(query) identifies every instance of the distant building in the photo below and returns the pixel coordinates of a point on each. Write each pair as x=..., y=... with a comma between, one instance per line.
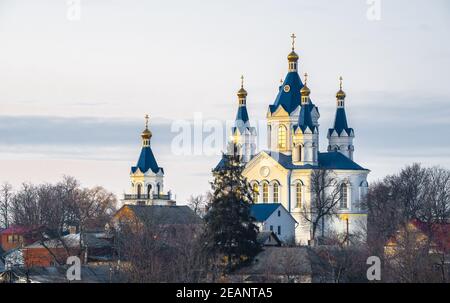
x=51, y=252
x=17, y=236
x=273, y=217
x=147, y=178
x=166, y=222
x=416, y=234
x=268, y=238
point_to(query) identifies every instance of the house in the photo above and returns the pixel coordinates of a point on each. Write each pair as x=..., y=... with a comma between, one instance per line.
x=157, y=215
x=416, y=234
x=277, y=264
x=16, y=236
x=268, y=238
x=51, y=252
x=167, y=223
x=273, y=217
x=105, y=273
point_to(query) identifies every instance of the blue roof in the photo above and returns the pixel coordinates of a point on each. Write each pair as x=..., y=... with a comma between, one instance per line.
x=146, y=161
x=328, y=160
x=262, y=211
x=242, y=114
x=305, y=119
x=340, y=122
x=289, y=100
x=242, y=120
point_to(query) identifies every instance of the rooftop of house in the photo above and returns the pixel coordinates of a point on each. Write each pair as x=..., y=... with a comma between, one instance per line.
x=163, y=215
x=17, y=230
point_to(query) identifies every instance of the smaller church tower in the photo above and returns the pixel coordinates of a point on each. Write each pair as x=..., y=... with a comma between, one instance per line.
x=243, y=136
x=305, y=139
x=340, y=137
x=147, y=178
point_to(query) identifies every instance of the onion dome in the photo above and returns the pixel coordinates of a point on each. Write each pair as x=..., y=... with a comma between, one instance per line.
x=305, y=91
x=340, y=94
x=242, y=93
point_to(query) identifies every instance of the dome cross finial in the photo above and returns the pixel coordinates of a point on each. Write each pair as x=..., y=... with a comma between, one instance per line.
x=306, y=78
x=293, y=40
x=242, y=81
x=146, y=121
x=340, y=82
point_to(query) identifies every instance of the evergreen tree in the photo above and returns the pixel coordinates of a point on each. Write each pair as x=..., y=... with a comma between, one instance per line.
x=230, y=230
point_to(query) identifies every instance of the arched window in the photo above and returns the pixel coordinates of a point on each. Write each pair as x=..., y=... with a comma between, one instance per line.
x=149, y=190
x=255, y=193
x=344, y=196
x=282, y=137
x=276, y=192
x=265, y=192
x=298, y=194
x=300, y=150
x=139, y=191
x=158, y=188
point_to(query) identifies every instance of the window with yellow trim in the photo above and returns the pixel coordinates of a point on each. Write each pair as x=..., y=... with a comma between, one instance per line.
x=255, y=193
x=276, y=190
x=298, y=194
x=282, y=136
x=265, y=192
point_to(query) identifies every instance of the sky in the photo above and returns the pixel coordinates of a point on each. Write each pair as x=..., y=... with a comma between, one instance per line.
x=76, y=81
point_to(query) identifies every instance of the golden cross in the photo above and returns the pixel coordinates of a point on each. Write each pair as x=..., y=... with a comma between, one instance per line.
x=306, y=78
x=293, y=40
x=146, y=121
x=242, y=81
x=340, y=80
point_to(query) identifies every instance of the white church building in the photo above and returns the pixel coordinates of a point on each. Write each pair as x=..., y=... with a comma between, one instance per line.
x=282, y=173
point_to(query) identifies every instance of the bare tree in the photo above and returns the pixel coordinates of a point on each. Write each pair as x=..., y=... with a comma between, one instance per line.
x=6, y=196
x=411, y=210
x=198, y=204
x=153, y=252
x=325, y=199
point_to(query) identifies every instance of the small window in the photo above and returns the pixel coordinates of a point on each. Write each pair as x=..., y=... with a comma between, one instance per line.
x=344, y=195
x=265, y=192
x=255, y=193
x=276, y=194
x=271, y=227
x=298, y=192
x=279, y=229
x=282, y=136
x=10, y=239
x=279, y=213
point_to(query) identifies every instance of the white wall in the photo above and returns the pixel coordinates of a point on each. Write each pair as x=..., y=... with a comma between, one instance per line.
x=285, y=221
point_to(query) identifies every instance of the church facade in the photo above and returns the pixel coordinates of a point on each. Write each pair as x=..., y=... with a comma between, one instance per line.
x=283, y=172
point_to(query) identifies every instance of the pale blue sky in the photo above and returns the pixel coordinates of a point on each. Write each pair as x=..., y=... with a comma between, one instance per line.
x=73, y=93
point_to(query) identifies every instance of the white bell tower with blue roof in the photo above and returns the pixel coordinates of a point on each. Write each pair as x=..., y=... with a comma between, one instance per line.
x=243, y=135
x=147, y=178
x=340, y=137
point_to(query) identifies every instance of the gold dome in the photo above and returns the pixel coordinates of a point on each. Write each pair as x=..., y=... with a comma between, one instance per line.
x=305, y=91
x=242, y=93
x=293, y=57
x=340, y=94
x=146, y=134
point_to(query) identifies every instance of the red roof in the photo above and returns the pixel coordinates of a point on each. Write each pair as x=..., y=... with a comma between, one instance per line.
x=440, y=233
x=17, y=230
